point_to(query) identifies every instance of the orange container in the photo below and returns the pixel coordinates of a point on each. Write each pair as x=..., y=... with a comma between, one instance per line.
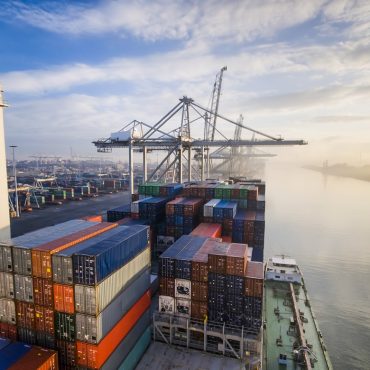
x=64, y=298
x=41, y=256
x=93, y=356
x=208, y=230
x=37, y=359
x=96, y=218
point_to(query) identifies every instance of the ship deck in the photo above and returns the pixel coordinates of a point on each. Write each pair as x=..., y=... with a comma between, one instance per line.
x=283, y=333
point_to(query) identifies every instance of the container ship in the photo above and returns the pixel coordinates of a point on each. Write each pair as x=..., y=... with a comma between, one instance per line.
x=86, y=290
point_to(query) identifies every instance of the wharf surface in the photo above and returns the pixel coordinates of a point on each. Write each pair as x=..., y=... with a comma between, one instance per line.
x=55, y=214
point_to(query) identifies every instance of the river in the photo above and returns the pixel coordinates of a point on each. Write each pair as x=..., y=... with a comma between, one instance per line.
x=324, y=222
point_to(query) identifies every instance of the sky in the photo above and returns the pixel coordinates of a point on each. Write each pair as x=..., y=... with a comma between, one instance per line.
x=74, y=71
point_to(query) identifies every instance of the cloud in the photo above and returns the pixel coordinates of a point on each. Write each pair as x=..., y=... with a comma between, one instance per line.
x=165, y=19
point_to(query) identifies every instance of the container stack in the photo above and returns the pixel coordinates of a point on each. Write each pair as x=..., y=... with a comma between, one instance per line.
x=20, y=356
x=204, y=278
x=80, y=287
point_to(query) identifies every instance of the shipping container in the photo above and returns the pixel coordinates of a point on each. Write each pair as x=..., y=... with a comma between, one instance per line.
x=3, y=343
x=95, y=263
x=183, y=288
x=199, y=291
x=41, y=255
x=23, y=288
x=25, y=314
x=166, y=304
x=95, y=218
x=45, y=340
x=62, y=261
x=43, y=292
x=93, y=299
x=127, y=344
x=119, y=213
x=26, y=335
x=6, y=285
x=199, y=310
x=94, y=355
x=208, y=207
x=208, y=230
x=65, y=326
x=253, y=280
x=7, y=311
x=93, y=329
x=37, y=359
x=167, y=286
x=236, y=259
x=137, y=352
x=8, y=331
x=6, y=260
x=66, y=354
x=44, y=320
x=22, y=245
x=183, y=307
x=10, y=354
x=64, y=298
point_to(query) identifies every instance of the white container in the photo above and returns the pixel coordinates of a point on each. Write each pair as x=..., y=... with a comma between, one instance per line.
x=23, y=288
x=208, y=207
x=182, y=288
x=93, y=299
x=166, y=304
x=183, y=307
x=6, y=285
x=7, y=311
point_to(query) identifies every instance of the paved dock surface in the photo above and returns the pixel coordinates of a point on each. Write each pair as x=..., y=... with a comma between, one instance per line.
x=160, y=356
x=54, y=214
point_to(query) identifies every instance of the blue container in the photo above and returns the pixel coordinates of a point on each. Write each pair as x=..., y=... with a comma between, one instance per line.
x=137, y=351
x=4, y=342
x=11, y=353
x=257, y=253
x=119, y=213
x=98, y=261
x=184, y=258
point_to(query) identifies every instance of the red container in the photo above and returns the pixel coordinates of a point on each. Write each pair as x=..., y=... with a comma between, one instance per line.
x=217, y=258
x=8, y=331
x=207, y=230
x=37, y=359
x=25, y=314
x=64, y=298
x=226, y=239
x=41, y=256
x=252, y=193
x=93, y=356
x=43, y=292
x=199, y=310
x=227, y=227
x=167, y=286
x=67, y=354
x=192, y=206
x=44, y=319
x=199, y=291
x=237, y=259
x=253, y=281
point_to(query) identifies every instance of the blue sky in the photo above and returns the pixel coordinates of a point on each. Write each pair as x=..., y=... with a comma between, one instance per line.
x=73, y=71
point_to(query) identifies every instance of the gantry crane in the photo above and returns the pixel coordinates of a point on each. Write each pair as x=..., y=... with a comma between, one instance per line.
x=189, y=118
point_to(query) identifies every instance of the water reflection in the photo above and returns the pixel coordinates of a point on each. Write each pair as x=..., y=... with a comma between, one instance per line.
x=323, y=221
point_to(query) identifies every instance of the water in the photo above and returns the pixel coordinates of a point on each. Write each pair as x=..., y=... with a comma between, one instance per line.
x=324, y=222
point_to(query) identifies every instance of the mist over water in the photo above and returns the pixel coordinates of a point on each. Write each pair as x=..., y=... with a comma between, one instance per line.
x=324, y=223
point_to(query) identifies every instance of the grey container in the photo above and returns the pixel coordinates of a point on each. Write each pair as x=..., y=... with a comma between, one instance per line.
x=22, y=245
x=7, y=311
x=62, y=262
x=23, y=288
x=93, y=329
x=93, y=299
x=6, y=260
x=6, y=285
x=128, y=343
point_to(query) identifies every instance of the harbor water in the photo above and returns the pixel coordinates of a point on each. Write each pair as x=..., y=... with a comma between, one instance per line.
x=323, y=221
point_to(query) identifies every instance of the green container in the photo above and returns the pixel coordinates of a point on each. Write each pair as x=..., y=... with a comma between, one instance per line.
x=226, y=193
x=219, y=192
x=65, y=326
x=137, y=352
x=243, y=193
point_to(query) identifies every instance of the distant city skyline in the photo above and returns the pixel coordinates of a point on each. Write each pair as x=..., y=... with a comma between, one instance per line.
x=76, y=71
